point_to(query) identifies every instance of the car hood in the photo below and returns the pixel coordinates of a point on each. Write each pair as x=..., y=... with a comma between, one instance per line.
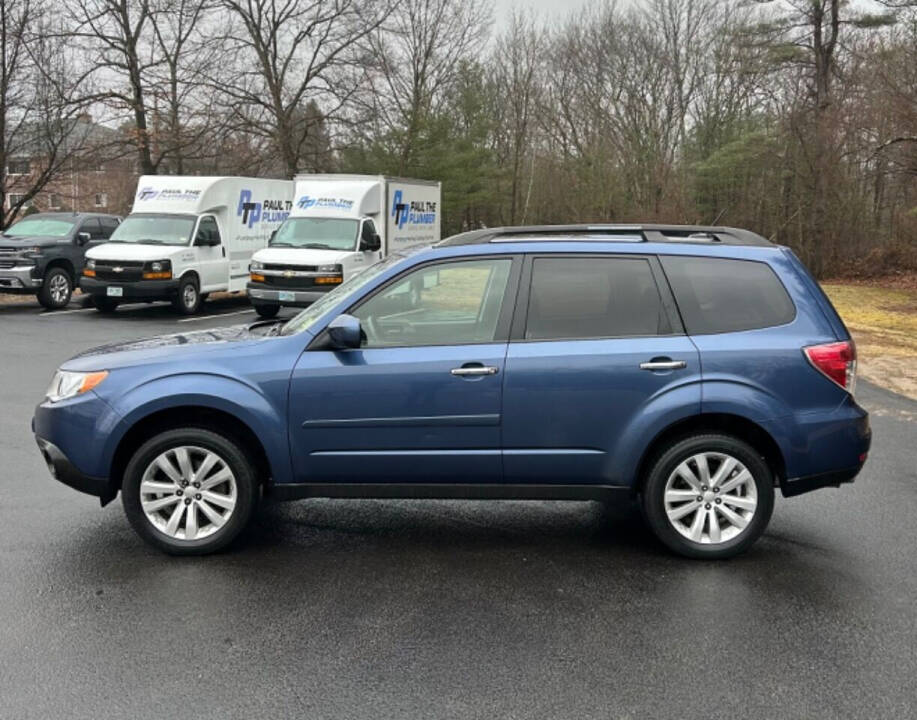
x=301, y=256
x=165, y=348
x=131, y=251
x=17, y=243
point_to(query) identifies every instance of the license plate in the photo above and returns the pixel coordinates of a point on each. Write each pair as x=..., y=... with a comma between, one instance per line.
x=286, y=296
x=114, y=292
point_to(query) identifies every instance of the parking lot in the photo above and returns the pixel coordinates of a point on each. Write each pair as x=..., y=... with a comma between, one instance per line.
x=428, y=609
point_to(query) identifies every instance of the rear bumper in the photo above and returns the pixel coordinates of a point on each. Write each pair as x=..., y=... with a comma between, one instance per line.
x=63, y=470
x=138, y=290
x=825, y=450
x=19, y=278
x=292, y=298
x=797, y=486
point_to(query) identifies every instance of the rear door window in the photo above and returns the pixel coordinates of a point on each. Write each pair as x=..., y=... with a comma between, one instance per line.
x=594, y=297
x=718, y=295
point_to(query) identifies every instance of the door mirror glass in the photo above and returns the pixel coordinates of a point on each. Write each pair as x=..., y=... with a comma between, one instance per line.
x=82, y=238
x=345, y=333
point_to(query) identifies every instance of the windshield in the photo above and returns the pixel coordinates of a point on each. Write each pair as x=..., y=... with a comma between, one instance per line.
x=46, y=227
x=155, y=230
x=312, y=313
x=320, y=233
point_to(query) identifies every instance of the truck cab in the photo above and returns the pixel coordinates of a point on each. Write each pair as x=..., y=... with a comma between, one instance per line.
x=338, y=226
x=43, y=254
x=185, y=238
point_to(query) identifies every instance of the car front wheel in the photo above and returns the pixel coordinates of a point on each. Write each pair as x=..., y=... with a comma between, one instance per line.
x=188, y=300
x=708, y=496
x=56, y=289
x=189, y=491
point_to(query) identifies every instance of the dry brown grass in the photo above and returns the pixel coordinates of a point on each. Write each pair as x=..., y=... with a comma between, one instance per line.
x=883, y=321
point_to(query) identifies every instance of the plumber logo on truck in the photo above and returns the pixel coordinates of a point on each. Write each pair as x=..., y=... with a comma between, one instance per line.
x=307, y=201
x=267, y=211
x=414, y=212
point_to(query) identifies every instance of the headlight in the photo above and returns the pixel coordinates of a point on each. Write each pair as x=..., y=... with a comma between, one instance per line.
x=157, y=270
x=31, y=252
x=91, y=264
x=329, y=268
x=67, y=384
x=255, y=265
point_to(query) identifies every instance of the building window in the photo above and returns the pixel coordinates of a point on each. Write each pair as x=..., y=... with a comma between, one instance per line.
x=101, y=200
x=14, y=199
x=19, y=166
x=54, y=201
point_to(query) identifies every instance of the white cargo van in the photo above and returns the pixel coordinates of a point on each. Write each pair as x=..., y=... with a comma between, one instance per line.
x=185, y=237
x=339, y=225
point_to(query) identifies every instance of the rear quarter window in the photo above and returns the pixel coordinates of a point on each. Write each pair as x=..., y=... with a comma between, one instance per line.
x=719, y=295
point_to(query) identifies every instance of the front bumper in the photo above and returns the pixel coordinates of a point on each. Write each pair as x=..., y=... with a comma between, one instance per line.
x=291, y=298
x=19, y=278
x=136, y=290
x=66, y=472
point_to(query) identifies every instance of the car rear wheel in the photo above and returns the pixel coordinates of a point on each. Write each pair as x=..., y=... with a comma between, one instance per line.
x=708, y=496
x=189, y=491
x=56, y=289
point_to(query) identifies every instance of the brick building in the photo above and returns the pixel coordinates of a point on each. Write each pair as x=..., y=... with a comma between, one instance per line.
x=95, y=177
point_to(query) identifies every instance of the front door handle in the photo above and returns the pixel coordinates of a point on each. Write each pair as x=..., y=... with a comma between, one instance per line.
x=663, y=365
x=474, y=370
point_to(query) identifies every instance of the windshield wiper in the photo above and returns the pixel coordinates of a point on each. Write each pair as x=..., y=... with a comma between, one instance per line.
x=318, y=246
x=152, y=241
x=281, y=244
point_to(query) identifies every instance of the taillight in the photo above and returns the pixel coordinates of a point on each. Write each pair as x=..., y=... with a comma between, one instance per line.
x=836, y=360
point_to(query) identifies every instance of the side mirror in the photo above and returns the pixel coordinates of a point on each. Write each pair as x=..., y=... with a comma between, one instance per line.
x=345, y=333
x=82, y=238
x=371, y=243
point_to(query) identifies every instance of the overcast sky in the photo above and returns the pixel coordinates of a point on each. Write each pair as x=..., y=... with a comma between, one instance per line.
x=546, y=8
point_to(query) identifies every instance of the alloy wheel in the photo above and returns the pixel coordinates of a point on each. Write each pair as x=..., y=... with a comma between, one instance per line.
x=710, y=498
x=59, y=288
x=188, y=492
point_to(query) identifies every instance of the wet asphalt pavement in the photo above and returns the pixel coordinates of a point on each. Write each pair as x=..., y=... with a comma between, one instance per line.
x=430, y=609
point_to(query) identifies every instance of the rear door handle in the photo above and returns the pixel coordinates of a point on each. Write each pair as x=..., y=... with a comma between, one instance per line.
x=663, y=365
x=475, y=370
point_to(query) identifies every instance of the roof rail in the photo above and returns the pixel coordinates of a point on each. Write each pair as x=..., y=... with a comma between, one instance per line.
x=610, y=233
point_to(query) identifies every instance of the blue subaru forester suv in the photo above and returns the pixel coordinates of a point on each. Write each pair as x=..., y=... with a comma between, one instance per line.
x=695, y=368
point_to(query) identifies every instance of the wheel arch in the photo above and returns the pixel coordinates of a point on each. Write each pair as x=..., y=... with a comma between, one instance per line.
x=170, y=418
x=64, y=264
x=724, y=423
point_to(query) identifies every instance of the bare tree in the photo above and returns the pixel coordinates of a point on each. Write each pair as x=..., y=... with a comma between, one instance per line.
x=516, y=61
x=417, y=55
x=291, y=53
x=40, y=104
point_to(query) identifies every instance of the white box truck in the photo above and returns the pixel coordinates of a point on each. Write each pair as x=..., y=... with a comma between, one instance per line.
x=338, y=226
x=186, y=237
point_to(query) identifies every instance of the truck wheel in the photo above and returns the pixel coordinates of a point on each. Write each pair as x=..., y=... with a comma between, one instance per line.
x=188, y=301
x=56, y=289
x=105, y=305
x=266, y=311
x=708, y=496
x=189, y=491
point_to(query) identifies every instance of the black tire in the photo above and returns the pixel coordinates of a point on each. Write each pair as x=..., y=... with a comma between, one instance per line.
x=56, y=289
x=105, y=305
x=235, y=458
x=266, y=311
x=188, y=301
x=664, y=465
